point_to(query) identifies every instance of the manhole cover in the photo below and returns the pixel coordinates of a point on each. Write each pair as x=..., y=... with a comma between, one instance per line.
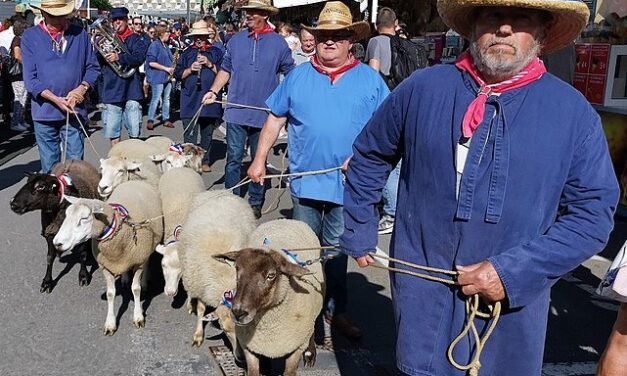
x=225, y=359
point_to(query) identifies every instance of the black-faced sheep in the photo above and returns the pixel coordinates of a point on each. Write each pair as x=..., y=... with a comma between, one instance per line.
x=45, y=192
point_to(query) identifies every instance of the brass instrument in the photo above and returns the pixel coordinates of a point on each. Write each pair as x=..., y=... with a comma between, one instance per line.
x=105, y=41
x=177, y=56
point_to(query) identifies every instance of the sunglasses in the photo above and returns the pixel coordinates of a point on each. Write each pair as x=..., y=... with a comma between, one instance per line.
x=323, y=37
x=137, y=23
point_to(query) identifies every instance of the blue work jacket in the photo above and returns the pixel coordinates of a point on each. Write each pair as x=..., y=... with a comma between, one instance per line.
x=191, y=96
x=116, y=89
x=536, y=199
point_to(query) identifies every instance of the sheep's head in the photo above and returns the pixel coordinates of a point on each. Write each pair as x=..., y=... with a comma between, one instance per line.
x=78, y=224
x=115, y=171
x=171, y=268
x=170, y=160
x=197, y=154
x=259, y=275
x=41, y=191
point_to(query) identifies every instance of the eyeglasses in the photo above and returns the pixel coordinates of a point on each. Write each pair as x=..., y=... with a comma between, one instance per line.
x=137, y=23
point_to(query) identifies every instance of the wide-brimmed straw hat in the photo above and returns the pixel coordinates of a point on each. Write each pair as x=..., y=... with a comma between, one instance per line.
x=569, y=17
x=199, y=28
x=336, y=16
x=56, y=7
x=260, y=5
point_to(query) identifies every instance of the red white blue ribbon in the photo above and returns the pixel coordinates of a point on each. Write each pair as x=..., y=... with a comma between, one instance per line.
x=176, y=148
x=119, y=214
x=64, y=181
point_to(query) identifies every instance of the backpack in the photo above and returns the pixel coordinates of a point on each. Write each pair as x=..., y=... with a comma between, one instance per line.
x=404, y=60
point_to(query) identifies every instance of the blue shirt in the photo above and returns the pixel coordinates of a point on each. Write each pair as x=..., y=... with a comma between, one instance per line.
x=116, y=89
x=58, y=72
x=159, y=53
x=254, y=66
x=323, y=121
x=191, y=97
x=536, y=199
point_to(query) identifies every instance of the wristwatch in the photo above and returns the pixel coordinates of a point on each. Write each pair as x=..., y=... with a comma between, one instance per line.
x=85, y=85
x=214, y=93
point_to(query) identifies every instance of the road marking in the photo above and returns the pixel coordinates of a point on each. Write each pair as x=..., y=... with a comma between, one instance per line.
x=569, y=369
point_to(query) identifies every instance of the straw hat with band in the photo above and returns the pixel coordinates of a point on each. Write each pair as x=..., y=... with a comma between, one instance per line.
x=260, y=5
x=569, y=17
x=336, y=16
x=56, y=7
x=198, y=28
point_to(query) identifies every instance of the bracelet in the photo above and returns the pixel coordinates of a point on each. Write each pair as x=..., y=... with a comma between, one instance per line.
x=214, y=93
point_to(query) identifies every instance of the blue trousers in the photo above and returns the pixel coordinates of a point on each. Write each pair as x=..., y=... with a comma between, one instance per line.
x=129, y=113
x=205, y=127
x=327, y=221
x=160, y=92
x=50, y=135
x=390, y=191
x=236, y=135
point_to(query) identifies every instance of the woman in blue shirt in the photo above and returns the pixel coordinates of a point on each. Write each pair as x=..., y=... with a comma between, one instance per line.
x=159, y=67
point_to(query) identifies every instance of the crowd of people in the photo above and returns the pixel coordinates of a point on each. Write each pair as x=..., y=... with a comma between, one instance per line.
x=505, y=174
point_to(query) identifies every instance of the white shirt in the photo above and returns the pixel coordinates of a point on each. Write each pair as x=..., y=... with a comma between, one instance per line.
x=6, y=37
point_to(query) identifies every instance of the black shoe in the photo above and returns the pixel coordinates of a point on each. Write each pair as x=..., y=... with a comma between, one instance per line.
x=256, y=210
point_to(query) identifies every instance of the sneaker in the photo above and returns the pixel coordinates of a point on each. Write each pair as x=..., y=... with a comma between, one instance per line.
x=256, y=211
x=344, y=324
x=386, y=224
x=21, y=127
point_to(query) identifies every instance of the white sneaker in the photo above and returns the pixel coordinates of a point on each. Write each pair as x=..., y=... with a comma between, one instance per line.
x=386, y=224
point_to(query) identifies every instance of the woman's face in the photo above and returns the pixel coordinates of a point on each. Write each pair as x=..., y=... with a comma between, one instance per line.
x=212, y=34
x=151, y=33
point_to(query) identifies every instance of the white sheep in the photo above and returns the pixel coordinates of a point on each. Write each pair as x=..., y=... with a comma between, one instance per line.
x=277, y=299
x=134, y=149
x=217, y=222
x=127, y=227
x=180, y=155
x=161, y=142
x=177, y=189
x=116, y=170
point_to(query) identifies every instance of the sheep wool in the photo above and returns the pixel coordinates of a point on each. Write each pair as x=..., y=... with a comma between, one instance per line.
x=288, y=326
x=133, y=148
x=160, y=142
x=177, y=189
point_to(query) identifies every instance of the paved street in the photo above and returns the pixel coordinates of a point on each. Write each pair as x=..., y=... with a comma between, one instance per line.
x=61, y=333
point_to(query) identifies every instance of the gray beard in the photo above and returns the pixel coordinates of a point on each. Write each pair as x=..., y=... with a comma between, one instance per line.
x=496, y=65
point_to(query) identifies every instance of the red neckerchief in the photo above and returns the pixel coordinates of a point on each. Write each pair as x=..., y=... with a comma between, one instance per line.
x=474, y=114
x=125, y=34
x=333, y=74
x=205, y=46
x=53, y=31
x=264, y=30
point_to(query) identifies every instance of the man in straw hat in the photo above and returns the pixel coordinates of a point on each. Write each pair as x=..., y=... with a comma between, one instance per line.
x=197, y=69
x=506, y=178
x=252, y=63
x=326, y=102
x=59, y=68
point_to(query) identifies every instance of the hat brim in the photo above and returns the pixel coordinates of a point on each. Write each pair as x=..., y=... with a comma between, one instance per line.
x=56, y=11
x=197, y=32
x=359, y=29
x=569, y=17
x=269, y=9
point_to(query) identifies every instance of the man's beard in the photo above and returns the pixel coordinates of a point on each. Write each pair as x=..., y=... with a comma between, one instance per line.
x=501, y=64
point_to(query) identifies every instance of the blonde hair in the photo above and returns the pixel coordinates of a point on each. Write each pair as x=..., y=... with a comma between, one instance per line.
x=213, y=27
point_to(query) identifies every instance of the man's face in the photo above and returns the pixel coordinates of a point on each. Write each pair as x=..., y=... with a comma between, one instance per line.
x=137, y=25
x=151, y=32
x=506, y=39
x=307, y=41
x=120, y=24
x=333, y=47
x=255, y=19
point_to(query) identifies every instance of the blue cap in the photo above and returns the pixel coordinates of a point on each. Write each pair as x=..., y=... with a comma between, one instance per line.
x=177, y=26
x=119, y=12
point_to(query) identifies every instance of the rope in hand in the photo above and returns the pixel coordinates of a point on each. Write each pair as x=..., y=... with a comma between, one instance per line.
x=193, y=121
x=78, y=118
x=283, y=175
x=242, y=106
x=64, y=149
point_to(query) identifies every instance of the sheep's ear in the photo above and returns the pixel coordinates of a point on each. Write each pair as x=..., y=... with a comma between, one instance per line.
x=132, y=165
x=228, y=258
x=160, y=249
x=70, y=199
x=293, y=270
x=157, y=157
x=96, y=206
x=102, y=160
x=28, y=174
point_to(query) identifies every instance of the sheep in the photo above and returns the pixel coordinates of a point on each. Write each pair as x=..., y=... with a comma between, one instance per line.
x=180, y=155
x=177, y=188
x=45, y=192
x=134, y=149
x=277, y=300
x=128, y=227
x=161, y=142
x=217, y=222
x=116, y=170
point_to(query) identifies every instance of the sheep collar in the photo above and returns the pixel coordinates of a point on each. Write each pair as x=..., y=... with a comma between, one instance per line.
x=120, y=213
x=175, y=235
x=64, y=181
x=176, y=148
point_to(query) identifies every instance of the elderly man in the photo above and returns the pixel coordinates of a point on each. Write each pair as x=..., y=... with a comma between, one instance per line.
x=252, y=63
x=506, y=178
x=122, y=95
x=326, y=103
x=307, y=47
x=59, y=67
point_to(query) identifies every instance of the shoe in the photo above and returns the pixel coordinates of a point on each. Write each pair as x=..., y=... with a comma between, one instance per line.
x=150, y=125
x=256, y=211
x=344, y=324
x=205, y=168
x=386, y=224
x=21, y=127
x=168, y=124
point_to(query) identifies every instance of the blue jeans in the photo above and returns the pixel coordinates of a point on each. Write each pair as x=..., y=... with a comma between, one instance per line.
x=129, y=113
x=50, y=135
x=390, y=191
x=236, y=136
x=327, y=221
x=160, y=92
x=205, y=126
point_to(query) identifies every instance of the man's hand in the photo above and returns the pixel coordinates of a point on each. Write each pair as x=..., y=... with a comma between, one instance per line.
x=170, y=70
x=256, y=170
x=364, y=261
x=63, y=104
x=209, y=98
x=481, y=279
x=345, y=164
x=111, y=57
x=195, y=66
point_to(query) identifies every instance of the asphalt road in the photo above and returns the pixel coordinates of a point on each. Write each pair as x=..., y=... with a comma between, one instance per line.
x=61, y=333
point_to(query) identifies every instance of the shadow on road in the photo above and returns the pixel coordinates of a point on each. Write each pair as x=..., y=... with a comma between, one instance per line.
x=14, y=174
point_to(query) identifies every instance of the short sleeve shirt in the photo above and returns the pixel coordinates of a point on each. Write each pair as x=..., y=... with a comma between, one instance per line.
x=379, y=48
x=323, y=121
